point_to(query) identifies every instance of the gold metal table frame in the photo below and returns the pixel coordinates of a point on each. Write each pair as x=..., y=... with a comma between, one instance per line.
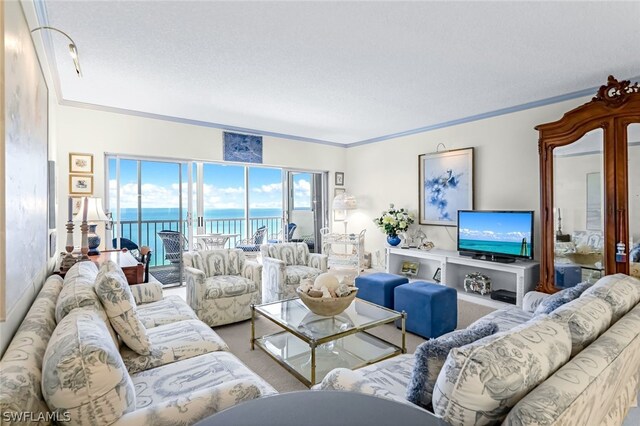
x=347, y=337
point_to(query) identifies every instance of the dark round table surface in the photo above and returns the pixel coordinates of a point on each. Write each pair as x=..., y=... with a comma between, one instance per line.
x=322, y=408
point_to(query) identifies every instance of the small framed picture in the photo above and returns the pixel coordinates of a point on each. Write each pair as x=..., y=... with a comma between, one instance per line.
x=337, y=191
x=437, y=277
x=77, y=203
x=410, y=269
x=80, y=163
x=339, y=178
x=80, y=185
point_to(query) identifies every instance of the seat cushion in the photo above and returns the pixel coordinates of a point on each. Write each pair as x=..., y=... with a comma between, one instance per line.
x=166, y=311
x=113, y=291
x=558, y=299
x=295, y=274
x=228, y=286
x=221, y=262
x=621, y=291
x=83, y=374
x=174, y=342
x=588, y=317
x=480, y=382
x=181, y=378
x=431, y=355
x=506, y=318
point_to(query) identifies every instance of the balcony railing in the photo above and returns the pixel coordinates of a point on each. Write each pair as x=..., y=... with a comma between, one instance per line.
x=145, y=232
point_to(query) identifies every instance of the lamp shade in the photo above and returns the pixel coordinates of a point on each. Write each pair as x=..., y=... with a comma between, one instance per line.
x=95, y=212
x=345, y=201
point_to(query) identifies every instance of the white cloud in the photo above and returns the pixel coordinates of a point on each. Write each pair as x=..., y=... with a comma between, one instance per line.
x=272, y=187
x=512, y=236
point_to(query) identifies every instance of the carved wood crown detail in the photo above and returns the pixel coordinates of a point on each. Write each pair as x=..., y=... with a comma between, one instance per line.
x=615, y=92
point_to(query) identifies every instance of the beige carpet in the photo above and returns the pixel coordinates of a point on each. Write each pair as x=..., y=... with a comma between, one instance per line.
x=238, y=337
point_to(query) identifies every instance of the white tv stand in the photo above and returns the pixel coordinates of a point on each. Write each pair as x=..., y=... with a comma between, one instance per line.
x=521, y=276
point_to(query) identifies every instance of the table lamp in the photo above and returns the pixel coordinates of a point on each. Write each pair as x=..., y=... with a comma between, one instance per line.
x=342, y=203
x=92, y=212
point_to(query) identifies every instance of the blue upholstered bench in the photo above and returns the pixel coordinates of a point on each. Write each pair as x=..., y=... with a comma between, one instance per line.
x=378, y=288
x=432, y=309
x=567, y=275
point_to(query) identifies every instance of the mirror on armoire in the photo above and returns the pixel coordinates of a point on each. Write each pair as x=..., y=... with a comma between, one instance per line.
x=590, y=189
x=633, y=162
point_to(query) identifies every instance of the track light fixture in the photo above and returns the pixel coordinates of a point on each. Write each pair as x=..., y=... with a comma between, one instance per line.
x=73, y=49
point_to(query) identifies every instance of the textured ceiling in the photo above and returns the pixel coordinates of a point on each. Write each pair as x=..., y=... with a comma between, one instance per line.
x=337, y=71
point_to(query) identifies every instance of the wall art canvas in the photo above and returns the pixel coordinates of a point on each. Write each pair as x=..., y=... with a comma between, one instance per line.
x=445, y=186
x=80, y=163
x=80, y=185
x=25, y=173
x=242, y=148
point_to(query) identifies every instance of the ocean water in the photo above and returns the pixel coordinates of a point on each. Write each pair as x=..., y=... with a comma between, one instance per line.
x=227, y=221
x=504, y=247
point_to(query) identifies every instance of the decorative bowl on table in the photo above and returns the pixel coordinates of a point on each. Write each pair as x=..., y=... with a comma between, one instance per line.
x=327, y=306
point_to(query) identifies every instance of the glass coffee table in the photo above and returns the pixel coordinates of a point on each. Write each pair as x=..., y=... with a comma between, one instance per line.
x=310, y=345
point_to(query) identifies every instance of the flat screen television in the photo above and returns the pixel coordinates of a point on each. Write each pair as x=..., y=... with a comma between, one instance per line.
x=500, y=236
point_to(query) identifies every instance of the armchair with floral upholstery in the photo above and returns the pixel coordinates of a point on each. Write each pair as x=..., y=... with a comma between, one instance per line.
x=222, y=285
x=285, y=266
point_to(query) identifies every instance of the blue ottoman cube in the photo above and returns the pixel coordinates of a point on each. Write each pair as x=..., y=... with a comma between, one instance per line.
x=378, y=288
x=432, y=309
x=567, y=275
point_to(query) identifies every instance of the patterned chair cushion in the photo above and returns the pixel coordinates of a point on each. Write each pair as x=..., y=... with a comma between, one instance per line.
x=174, y=342
x=228, y=286
x=621, y=291
x=431, y=355
x=182, y=378
x=558, y=299
x=83, y=374
x=289, y=253
x=166, y=311
x=505, y=318
x=118, y=302
x=480, y=382
x=588, y=317
x=220, y=262
x=295, y=274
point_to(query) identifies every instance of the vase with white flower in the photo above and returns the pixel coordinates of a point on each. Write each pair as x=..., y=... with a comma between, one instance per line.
x=392, y=222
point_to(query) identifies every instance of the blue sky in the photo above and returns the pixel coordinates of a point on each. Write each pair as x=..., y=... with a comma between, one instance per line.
x=223, y=185
x=495, y=226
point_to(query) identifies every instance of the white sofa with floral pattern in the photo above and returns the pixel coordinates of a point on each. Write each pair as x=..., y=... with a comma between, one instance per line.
x=66, y=363
x=578, y=365
x=285, y=266
x=222, y=285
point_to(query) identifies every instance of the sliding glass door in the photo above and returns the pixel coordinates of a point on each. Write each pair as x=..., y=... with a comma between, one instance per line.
x=149, y=203
x=305, y=206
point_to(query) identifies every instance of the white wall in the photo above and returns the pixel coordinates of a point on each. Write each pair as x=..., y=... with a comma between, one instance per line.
x=16, y=312
x=99, y=132
x=506, y=175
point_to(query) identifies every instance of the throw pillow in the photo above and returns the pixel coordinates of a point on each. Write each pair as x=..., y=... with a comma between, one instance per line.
x=621, y=291
x=558, y=299
x=431, y=355
x=83, y=375
x=118, y=302
x=480, y=382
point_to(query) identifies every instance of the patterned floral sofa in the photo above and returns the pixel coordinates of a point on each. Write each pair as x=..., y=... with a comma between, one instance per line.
x=578, y=365
x=222, y=285
x=66, y=364
x=285, y=266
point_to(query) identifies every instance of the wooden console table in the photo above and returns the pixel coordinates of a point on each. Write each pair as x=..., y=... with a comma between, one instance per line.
x=133, y=270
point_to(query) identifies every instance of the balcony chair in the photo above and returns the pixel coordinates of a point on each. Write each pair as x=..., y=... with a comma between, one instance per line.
x=222, y=285
x=141, y=254
x=251, y=246
x=174, y=245
x=285, y=266
x=290, y=230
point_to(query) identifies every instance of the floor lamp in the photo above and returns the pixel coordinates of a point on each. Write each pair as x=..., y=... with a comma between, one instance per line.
x=342, y=203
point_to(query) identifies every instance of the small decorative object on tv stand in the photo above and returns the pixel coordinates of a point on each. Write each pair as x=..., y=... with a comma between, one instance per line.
x=477, y=283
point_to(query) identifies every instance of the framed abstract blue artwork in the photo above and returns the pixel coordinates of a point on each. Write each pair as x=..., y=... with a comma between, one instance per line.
x=446, y=186
x=242, y=148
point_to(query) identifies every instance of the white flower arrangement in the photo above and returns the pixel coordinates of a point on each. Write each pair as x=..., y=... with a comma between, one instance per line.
x=394, y=221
